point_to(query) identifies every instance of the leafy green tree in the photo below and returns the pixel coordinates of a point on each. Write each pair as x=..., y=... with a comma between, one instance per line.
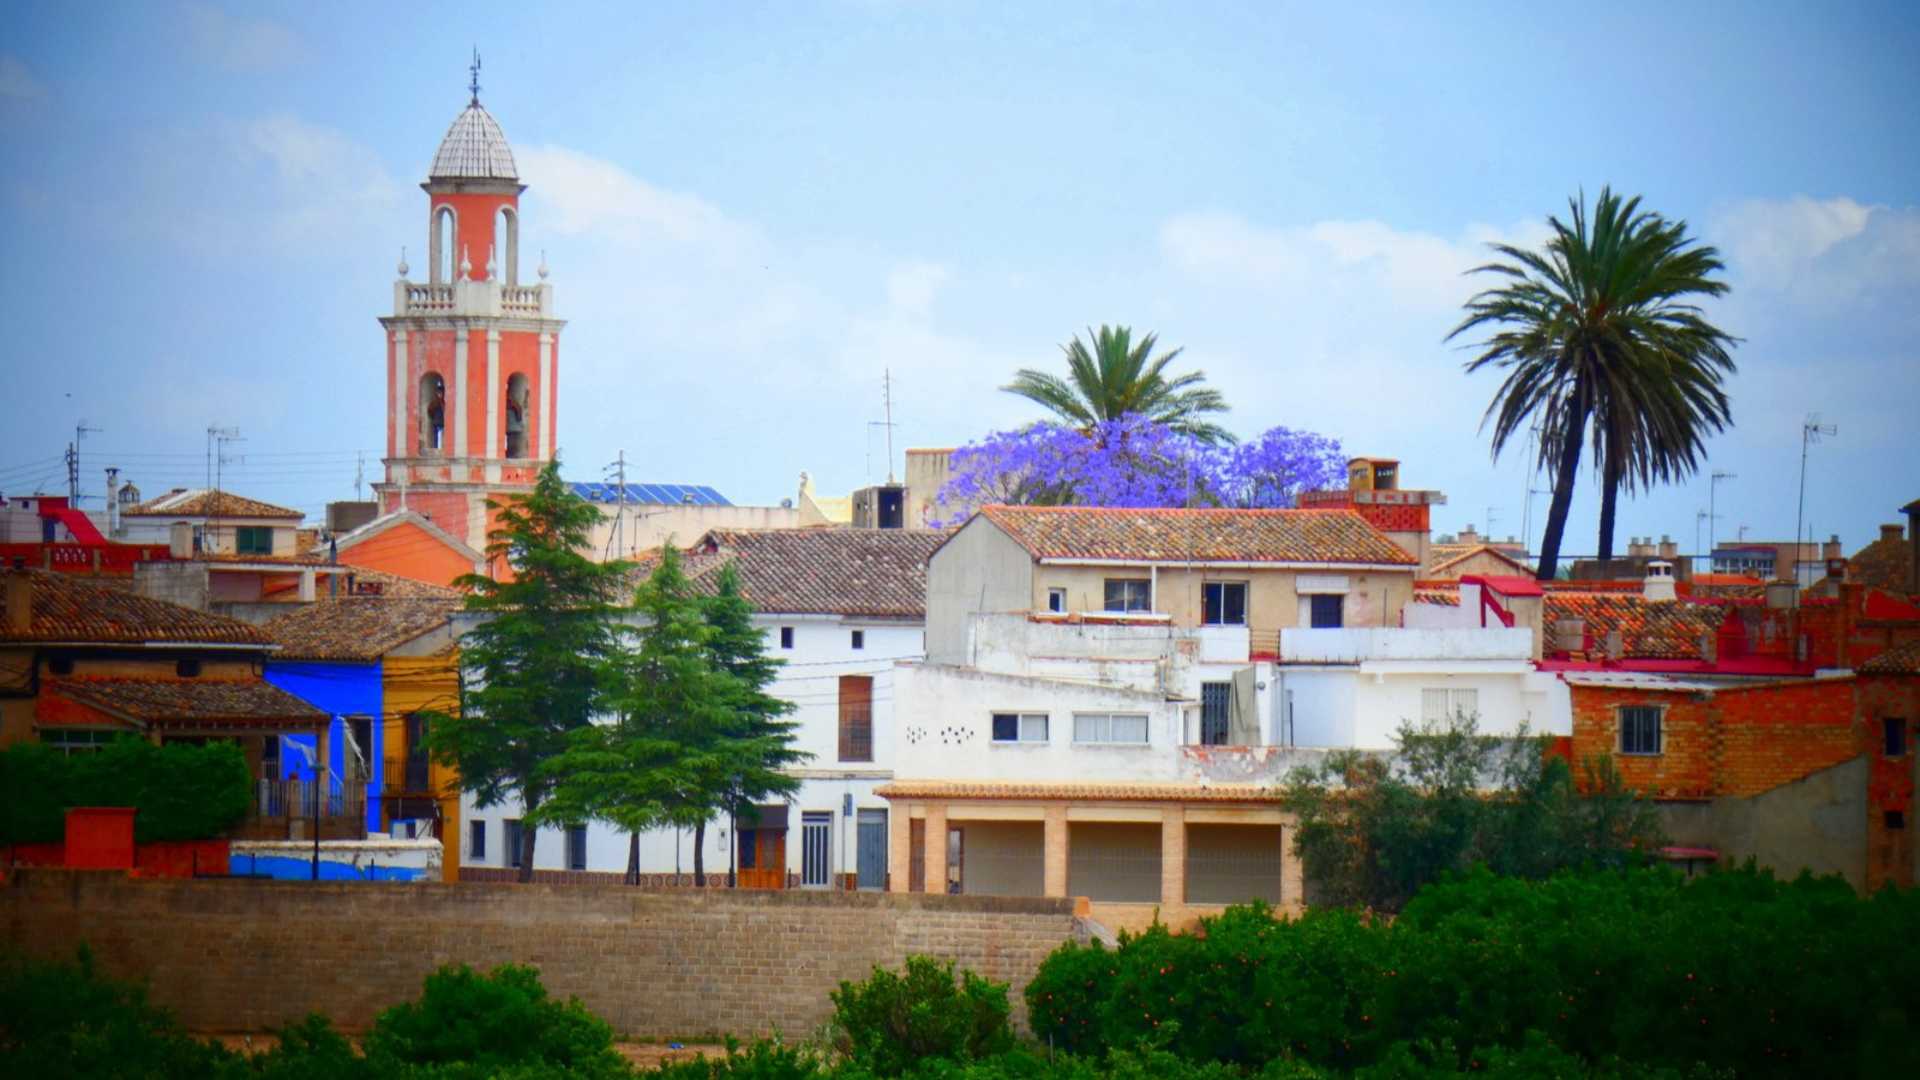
x=1374, y=828
x=890, y=1023
x=1602, y=326
x=758, y=740
x=1118, y=376
x=537, y=669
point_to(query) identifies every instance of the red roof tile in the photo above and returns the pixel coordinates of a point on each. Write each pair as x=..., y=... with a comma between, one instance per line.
x=192, y=702
x=361, y=628
x=185, y=503
x=877, y=573
x=1671, y=629
x=68, y=608
x=1274, y=536
x=1887, y=563
x=1901, y=660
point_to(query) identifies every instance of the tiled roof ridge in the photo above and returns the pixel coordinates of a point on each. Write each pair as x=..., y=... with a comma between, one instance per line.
x=69, y=608
x=1900, y=660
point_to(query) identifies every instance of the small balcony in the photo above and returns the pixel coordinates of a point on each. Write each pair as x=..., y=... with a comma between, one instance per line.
x=284, y=809
x=485, y=298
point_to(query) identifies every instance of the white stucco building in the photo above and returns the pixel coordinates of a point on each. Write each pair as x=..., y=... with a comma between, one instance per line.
x=840, y=608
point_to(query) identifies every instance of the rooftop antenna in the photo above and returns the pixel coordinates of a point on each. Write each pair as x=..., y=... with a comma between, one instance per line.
x=473, y=76
x=1713, y=513
x=617, y=468
x=80, y=431
x=359, y=472
x=886, y=397
x=1810, y=432
x=217, y=440
x=1699, y=518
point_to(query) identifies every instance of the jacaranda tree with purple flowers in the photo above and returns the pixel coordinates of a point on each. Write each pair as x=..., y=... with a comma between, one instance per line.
x=1132, y=461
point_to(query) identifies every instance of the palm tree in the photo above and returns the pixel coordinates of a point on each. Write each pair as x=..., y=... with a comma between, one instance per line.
x=1117, y=377
x=1601, y=325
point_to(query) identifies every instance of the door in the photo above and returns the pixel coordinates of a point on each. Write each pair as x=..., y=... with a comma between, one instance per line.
x=872, y=844
x=816, y=849
x=1216, y=700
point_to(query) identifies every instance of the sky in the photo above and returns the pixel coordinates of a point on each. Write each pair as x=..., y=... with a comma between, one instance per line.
x=754, y=212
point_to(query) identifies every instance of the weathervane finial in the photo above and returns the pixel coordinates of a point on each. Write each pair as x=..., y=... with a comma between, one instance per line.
x=473, y=71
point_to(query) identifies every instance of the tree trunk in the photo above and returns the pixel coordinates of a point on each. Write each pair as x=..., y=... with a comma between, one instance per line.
x=527, y=836
x=1609, y=497
x=633, y=858
x=1562, y=494
x=700, y=855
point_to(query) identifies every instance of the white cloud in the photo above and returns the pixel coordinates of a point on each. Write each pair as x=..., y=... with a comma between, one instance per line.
x=1818, y=251
x=238, y=43
x=582, y=194
x=912, y=286
x=17, y=82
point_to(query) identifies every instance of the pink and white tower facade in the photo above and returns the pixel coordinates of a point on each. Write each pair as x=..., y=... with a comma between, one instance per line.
x=472, y=354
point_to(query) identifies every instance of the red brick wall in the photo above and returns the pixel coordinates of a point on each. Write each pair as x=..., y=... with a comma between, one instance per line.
x=1777, y=733
x=1683, y=769
x=1890, y=786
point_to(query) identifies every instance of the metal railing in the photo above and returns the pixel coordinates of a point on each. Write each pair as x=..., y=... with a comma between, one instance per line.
x=296, y=798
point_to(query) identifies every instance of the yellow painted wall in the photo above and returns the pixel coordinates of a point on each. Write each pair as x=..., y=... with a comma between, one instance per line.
x=419, y=684
x=1374, y=599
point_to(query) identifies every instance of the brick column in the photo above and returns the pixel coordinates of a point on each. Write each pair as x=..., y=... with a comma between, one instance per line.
x=899, y=848
x=1173, y=856
x=936, y=847
x=1293, y=878
x=1055, y=851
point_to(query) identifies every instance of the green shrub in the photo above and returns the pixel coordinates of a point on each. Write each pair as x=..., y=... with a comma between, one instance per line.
x=63, y=1020
x=485, y=1025
x=1616, y=971
x=890, y=1022
x=184, y=791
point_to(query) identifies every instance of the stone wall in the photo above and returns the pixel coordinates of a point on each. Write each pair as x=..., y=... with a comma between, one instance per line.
x=234, y=955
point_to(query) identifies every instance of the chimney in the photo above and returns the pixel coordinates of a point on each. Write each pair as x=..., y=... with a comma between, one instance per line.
x=1781, y=594
x=1668, y=549
x=1616, y=644
x=180, y=540
x=19, y=601
x=1832, y=549
x=113, y=502
x=1658, y=587
x=1895, y=533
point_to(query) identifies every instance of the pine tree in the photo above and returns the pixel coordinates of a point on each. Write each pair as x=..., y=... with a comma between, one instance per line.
x=758, y=743
x=536, y=670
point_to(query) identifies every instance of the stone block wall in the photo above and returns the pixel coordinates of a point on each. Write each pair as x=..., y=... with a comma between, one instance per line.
x=234, y=955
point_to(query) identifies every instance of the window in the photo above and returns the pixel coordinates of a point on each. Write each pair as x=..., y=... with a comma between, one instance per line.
x=786, y=637
x=1121, y=728
x=186, y=669
x=856, y=718
x=745, y=840
x=1223, y=603
x=1019, y=727
x=476, y=840
x=1129, y=594
x=1639, y=729
x=859, y=639
x=1057, y=600
x=576, y=847
x=253, y=539
x=512, y=838
x=74, y=740
x=1216, y=706
x=1442, y=704
x=1895, y=819
x=1895, y=734
x=1326, y=613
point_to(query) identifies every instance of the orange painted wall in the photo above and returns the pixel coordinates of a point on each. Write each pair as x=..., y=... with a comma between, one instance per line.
x=473, y=225
x=410, y=551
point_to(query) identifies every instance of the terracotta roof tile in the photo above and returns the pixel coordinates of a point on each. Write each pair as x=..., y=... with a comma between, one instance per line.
x=949, y=789
x=356, y=627
x=1279, y=536
x=1901, y=660
x=1439, y=567
x=1441, y=597
x=1884, y=564
x=395, y=586
x=878, y=573
x=191, y=702
x=1665, y=630
x=199, y=502
x=67, y=608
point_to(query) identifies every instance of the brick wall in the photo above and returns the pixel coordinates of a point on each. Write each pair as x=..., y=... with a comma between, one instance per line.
x=241, y=955
x=1685, y=766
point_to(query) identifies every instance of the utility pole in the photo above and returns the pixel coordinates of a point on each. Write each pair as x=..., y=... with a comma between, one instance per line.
x=80, y=431
x=617, y=468
x=1713, y=513
x=1810, y=432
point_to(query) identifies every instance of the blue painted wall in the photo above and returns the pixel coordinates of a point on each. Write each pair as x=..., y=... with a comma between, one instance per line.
x=290, y=869
x=342, y=690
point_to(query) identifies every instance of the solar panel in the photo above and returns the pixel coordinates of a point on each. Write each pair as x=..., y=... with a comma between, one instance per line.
x=651, y=494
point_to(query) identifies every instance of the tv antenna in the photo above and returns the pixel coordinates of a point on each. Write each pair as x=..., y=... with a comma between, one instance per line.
x=1713, y=511
x=1811, y=431
x=886, y=397
x=80, y=431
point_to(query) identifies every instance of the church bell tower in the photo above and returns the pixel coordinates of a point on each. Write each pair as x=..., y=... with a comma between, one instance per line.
x=472, y=354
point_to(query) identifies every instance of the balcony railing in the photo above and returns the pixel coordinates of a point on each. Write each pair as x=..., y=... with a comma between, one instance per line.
x=484, y=298
x=296, y=799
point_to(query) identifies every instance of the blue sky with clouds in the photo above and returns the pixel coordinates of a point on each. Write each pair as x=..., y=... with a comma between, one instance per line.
x=751, y=211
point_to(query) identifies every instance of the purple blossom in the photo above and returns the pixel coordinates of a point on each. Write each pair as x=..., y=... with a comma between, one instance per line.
x=1134, y=462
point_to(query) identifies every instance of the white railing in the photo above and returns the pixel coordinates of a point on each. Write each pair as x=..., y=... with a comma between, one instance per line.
x=483, y=298
x=520, y=299
x=1348, y=646
x=422, y=299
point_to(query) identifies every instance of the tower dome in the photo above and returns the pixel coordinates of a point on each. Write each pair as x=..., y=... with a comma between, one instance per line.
x=475, y=149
